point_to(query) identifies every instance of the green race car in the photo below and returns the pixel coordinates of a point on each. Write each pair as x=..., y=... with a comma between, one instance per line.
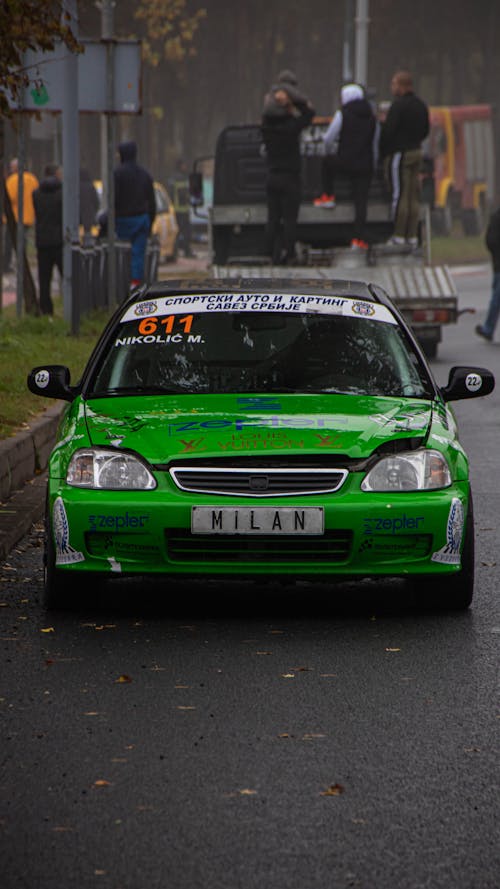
x=262, y=429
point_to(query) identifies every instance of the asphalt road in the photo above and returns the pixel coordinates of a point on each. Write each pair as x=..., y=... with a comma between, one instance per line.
x=231, y=738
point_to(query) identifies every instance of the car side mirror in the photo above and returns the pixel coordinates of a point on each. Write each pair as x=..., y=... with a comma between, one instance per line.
x=468, y=382
x=51, y=381
x=196, y=189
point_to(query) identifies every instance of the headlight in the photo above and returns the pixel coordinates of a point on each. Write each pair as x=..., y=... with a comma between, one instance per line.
x=420, y=470
x=97, y=468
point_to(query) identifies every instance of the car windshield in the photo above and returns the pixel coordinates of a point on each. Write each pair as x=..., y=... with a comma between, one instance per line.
x=177, y=348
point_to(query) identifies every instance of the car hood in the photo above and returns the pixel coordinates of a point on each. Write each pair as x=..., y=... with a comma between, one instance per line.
x=162, y=428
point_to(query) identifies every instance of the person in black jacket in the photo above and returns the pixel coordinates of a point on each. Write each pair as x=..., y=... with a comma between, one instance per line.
x=349, y=146
x=135, y=206
x=286, y=112
x=48, y=204
x=404, y=130
x=487, y=329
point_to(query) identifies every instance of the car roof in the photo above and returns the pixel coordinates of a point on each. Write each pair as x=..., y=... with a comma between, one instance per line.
x=338, y=287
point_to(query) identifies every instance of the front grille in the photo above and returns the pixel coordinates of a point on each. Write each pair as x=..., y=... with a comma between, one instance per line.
x=331, y=547
x=257, y=481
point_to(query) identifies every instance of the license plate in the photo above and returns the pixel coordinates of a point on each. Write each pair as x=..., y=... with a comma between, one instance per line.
x=257, y=520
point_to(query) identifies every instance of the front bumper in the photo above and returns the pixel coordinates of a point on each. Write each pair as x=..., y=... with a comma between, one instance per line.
x=366, y=534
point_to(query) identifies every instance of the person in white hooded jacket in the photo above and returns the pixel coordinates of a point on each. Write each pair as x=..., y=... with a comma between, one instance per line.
x=349, y=149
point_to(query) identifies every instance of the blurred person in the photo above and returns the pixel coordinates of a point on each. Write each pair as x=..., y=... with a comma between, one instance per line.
x=30, y=183
x=350, y=146
x=89, y=204
x=48, y=205
x=286, y=113
x=405, y=128
x=492, y=239
x=135, y=207
x=178, y=187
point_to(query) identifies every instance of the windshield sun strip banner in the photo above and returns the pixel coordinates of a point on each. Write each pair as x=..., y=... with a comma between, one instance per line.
x=259, y=302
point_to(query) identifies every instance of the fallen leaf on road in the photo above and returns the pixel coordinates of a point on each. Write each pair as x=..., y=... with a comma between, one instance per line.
x=47, y=630
x=247, y=792
x=122, y=679
x=333, y=790
x=101, y=782
x=393, y=649
x=288, y=675
x=186, y=708
x=312, y=736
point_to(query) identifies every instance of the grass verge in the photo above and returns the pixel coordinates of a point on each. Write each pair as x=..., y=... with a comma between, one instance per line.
x=26, y=342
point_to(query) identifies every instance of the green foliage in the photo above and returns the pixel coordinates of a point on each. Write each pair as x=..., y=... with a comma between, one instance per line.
x=170, y=29
x=28, y=24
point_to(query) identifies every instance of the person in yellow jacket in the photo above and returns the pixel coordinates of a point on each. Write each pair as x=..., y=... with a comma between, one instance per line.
x=30, y=183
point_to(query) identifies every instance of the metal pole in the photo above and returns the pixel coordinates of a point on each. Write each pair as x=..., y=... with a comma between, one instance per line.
x=111, y=129
x=348, y=47
x=107, y=8
x=21, y=143
x=71, y=167
x=361, y=60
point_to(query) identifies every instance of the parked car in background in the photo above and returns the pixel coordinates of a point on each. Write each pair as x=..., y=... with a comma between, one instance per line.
x=259, y=429
x=165, y=226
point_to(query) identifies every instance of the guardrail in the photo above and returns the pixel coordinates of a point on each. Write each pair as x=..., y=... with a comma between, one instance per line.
x=89, y=274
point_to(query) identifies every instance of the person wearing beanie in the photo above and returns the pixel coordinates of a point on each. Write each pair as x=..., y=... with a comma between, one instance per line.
x=404, y=130
x=286, y=113
x=349, y=146
x=135, y=206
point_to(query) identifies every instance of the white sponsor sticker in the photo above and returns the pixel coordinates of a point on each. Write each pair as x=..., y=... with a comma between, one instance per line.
x=473, y=382
x=65, y=554
x=450, y=554
x=42, y=378
x=260, y=302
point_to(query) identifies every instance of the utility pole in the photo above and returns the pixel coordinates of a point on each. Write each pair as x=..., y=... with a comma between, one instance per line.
x=108, y=139
x=361, y=55
x=348, y=47
x=71, y=167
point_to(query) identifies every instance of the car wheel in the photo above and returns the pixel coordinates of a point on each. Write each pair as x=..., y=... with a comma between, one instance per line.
x=442, y=219
x=454, y=593
x=473, y=221
x=429, y=347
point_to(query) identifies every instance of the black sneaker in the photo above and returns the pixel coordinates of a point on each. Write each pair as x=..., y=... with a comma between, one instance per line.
x=480, y=332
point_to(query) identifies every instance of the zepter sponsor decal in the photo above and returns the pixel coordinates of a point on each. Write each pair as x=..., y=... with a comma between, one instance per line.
x=450, y=553
x=65, y=554
x=260, y=302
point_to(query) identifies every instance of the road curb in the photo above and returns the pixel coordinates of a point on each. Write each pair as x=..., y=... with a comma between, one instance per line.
x=23, y=461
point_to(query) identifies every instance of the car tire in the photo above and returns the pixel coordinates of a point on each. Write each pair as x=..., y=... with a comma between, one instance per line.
x=454, y=592
x=442, y=218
